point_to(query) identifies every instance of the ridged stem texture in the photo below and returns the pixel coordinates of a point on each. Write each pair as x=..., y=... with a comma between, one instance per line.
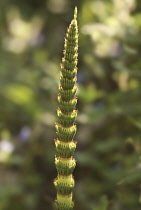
x=66, y=112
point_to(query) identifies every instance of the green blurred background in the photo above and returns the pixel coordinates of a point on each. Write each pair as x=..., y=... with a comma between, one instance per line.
x=108, y=172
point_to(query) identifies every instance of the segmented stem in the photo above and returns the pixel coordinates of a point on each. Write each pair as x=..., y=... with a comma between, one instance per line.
x=66, y=128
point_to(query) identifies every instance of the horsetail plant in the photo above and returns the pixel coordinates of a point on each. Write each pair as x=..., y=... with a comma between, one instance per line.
x=66, y=112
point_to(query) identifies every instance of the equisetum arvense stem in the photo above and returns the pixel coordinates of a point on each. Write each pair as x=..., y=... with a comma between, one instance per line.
x=66, y=113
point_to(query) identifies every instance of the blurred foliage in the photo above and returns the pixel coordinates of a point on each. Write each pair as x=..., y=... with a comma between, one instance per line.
x=109, y=121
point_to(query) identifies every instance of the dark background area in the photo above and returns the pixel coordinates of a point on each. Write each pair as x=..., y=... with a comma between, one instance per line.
x=109, y=102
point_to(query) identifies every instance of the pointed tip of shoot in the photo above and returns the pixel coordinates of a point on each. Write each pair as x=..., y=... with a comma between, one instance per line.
x=75, y=13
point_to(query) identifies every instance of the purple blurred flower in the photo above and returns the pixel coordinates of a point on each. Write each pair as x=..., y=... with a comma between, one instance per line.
x=99, y=104
x=25, y=133
x=37, y=39
x=80, y=77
